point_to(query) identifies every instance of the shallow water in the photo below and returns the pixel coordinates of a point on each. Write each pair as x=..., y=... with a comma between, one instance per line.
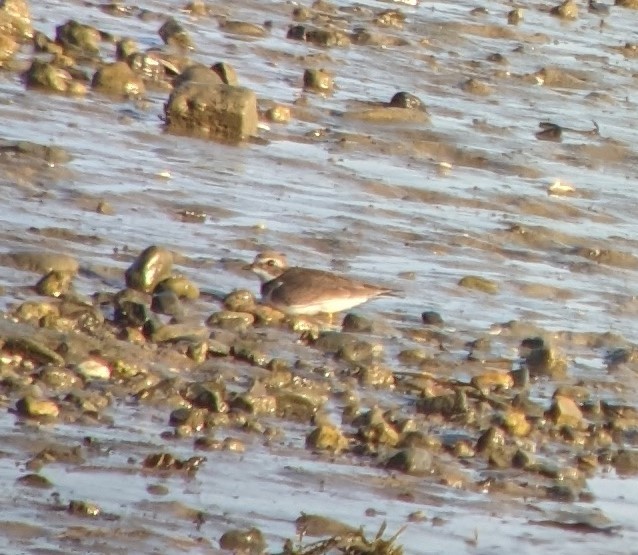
x=370, y=200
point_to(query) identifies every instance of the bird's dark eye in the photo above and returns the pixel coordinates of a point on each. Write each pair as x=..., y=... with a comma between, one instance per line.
x=271, y=262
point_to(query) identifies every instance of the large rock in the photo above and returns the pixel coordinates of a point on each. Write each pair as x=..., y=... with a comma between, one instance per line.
x=221, y=111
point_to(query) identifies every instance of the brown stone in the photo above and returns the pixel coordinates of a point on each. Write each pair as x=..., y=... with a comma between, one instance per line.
x=318, y=80
x=15, y=20
x=119, y=79
x=223, y=111
x=565, y=412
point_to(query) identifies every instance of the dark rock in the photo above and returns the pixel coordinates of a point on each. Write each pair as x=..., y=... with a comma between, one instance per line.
x=431, y=318
x=407, y=101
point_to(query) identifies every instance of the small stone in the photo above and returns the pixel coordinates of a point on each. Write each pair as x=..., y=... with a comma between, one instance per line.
x=197, y=351
x=566, y=10
x=358, y=351
x=83, y=508
x=181, y=286
x=515, y=16
x=47, y=76
x=233, y=445
x=431, y=318
x=317, y=526
x=242, y=28
x=565, y=412
x=192, y=418
x=523, y=459
x=119, y=79
x=390, y=18
x=407, y=101
x=474, y=86
x=413, y=356
x=58, y=378
x=229, y=320
x=157, y=489
x=492, y=438
x=197, y=73
x=278, y=114
x=240, y=300
x=414, y=461
x=173, y=34
x=492, y=380
x=179, y=332
x=293, y=406
x=249, y=541
x=84, y=38
x=124, y=48
x=318, y=80
x=105, y=208
x=545, y=361
x=501, y=457
x=152, y=266
x=55, y=283
x=479, y=283
x=378, y=431
x=209, y=396
x=94, y=369
x=226, y=73
x=327, y=38
x=375, y=376
x=34, y=481
x=255, y=402
x=516, y=423
x=37, y=408
x=355, y=323
x=327, y=438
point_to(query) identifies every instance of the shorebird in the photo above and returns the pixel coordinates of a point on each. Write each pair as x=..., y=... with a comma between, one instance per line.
x=295, y=290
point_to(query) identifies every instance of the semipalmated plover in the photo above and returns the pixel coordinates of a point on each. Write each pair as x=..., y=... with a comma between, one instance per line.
x=308, y=291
